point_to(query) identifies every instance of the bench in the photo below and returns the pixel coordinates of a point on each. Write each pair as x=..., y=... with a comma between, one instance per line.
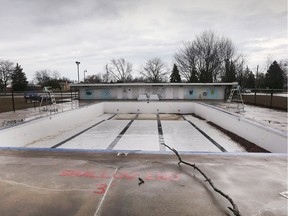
x=154, y=97
x=142, y=97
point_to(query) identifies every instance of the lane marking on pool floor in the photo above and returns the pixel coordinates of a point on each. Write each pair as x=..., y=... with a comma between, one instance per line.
x=81, y=132
x=117, y=139
x=206, y=135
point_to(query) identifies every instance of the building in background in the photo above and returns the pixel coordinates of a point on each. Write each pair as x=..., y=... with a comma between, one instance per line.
x=161, y=91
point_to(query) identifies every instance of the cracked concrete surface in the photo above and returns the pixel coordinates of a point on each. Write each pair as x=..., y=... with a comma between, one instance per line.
x=74, y=183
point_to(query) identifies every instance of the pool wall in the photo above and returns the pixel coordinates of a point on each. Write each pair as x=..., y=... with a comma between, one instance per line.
x=57, y=125
x=49, y=126
x=149, y=107
x=265, y=137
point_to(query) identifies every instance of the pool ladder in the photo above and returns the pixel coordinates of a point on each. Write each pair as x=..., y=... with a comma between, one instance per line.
x=48, y=94
x=236, y=90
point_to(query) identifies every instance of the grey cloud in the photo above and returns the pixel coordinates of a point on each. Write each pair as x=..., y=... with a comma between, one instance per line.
x=53, y=34
x=62, y=12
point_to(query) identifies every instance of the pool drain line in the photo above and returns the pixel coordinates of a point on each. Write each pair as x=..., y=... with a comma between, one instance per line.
x=81, y=132
x=117, y=139
x=206, y=135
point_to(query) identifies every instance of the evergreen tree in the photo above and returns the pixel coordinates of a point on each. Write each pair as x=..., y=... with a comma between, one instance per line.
x=248, y=79
x=230, y=72
x=251, y=80
x=19, y=80
x=205, y=76
x=275, y=76
x=239, y=78
x=193, y=77
x=175, y=76
x=261, y=82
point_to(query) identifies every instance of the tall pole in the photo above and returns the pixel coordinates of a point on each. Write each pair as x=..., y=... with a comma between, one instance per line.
x=85, y=71
x=77, y=63
x=256, y=81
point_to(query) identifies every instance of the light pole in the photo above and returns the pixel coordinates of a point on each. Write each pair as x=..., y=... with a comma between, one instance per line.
x=85, y=71
x=77, y=63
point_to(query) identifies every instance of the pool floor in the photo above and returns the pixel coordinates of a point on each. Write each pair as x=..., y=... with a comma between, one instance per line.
x=147, y=132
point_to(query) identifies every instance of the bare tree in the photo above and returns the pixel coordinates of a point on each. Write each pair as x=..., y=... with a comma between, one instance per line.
x=6, y=70
x=268, y=61
x=55, y=75
x=239, y=63
x=42, y=76
x=48, y=78
x=204, y=58
x=284, y=66
x=106, y=76
x=155, y=70
x=186, y=61
x=96, y=78
x=207, y=46
x=120, y=70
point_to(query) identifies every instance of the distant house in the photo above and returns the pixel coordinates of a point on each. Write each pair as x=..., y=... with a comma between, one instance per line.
x=65, y=86
x=9, y=88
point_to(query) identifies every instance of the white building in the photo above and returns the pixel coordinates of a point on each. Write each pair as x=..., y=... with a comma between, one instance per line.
x=153, y=91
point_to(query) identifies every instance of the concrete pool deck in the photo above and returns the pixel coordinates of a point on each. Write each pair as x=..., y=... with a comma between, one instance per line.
x=10, y=119
x=85, y=183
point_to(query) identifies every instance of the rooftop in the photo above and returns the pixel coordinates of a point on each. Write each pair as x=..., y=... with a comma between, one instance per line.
x=154, y=84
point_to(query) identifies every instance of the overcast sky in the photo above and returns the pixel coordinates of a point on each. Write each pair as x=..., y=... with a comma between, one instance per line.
x=53, y=34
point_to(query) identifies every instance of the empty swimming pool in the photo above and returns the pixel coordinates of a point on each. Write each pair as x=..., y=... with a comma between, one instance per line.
x=143, y=126
x=147, y=132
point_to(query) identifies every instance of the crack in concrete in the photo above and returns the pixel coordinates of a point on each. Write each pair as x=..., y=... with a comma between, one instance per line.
x=41, y=188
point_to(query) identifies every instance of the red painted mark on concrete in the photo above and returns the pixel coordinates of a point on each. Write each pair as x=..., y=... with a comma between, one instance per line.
x=165, y=176
x=78, y=173
x=125, y=175
x=101, y=187
x=162, y=176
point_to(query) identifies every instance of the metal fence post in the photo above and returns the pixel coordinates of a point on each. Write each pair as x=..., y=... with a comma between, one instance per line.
x=271, y=99
x=13, y=103
x=61, y=96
